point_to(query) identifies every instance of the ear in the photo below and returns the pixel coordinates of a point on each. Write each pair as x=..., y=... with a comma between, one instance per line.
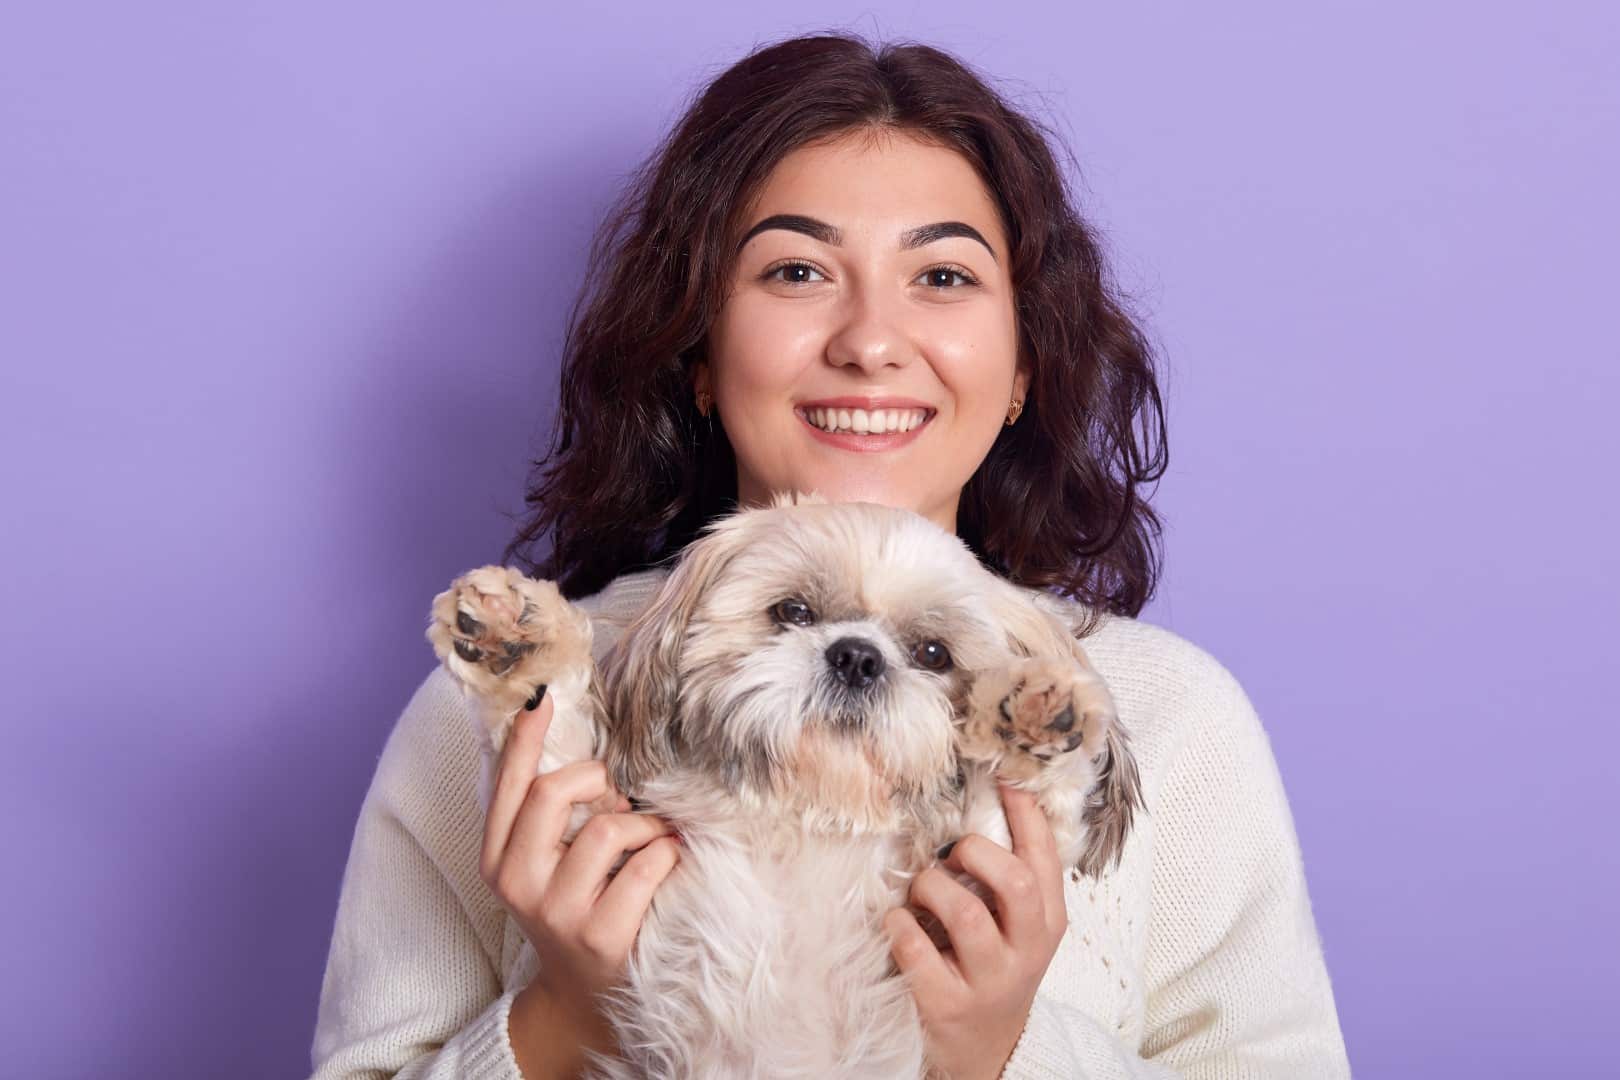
x=1032, y=630
x=642, y=669
x=1021, y=379
x=1112, y=804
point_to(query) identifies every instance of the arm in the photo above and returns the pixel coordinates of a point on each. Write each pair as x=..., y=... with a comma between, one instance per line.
x=1237, y=985
x=411, y=987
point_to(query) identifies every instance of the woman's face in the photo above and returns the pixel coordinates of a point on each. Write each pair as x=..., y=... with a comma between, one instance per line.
x=837, y=305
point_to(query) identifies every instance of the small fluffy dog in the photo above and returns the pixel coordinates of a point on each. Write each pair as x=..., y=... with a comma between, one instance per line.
x=819, y=697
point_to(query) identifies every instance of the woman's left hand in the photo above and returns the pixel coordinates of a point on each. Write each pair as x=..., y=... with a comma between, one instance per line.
x=975, y=996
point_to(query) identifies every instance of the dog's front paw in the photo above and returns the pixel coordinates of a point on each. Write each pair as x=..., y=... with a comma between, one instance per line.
x=1036, y=711
x=505, y=636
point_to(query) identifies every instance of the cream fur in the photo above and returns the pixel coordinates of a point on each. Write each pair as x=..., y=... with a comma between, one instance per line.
x=806, y=801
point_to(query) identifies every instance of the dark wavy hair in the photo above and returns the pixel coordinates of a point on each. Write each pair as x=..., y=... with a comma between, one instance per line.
x=634, y=472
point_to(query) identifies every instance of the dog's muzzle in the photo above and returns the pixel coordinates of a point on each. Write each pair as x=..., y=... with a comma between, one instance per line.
x=855, y=662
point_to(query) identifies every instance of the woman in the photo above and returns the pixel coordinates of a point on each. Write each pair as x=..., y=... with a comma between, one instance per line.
x=828, y=228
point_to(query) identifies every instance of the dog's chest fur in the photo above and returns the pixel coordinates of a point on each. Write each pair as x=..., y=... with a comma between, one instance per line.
x=764, y=956
x=823, y=970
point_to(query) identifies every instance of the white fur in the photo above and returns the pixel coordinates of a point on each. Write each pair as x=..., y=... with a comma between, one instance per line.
x=805, y=806
x=759, y=956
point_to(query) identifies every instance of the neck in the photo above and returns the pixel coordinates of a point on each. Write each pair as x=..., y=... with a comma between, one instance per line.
x=942, y=514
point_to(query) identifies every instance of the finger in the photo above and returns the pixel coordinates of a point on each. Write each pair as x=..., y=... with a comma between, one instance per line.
x=975, y=938
x=1020, y=901
x=623, y=904
x=928, y=972
x=581, y=875
x=537, y=833
x=1034, y=843
x=520, y=762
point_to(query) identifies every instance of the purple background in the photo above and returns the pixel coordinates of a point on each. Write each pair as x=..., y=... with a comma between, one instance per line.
x=280, y=299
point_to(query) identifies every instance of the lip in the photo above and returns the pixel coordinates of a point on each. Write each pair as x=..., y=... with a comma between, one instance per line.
x=865, y=443
x=867, y=403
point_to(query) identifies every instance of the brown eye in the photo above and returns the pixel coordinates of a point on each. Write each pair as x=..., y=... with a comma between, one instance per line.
x=932, y=655
x=796, y=612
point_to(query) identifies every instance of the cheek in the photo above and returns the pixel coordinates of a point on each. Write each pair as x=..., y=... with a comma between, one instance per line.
x=961, y=696
x=975, y=356
x=758, y=350
x=753, y=692
x=981, y=386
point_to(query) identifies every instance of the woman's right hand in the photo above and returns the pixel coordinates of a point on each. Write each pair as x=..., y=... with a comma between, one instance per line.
x=580, y=923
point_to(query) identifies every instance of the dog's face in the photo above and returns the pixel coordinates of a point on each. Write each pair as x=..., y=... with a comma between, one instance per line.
x=813, y=657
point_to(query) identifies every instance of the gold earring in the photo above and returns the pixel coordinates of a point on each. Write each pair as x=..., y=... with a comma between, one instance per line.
x=703, y=402
x=1014, y=411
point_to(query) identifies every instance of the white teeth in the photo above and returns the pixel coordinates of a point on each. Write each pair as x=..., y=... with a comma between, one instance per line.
x=861, y=422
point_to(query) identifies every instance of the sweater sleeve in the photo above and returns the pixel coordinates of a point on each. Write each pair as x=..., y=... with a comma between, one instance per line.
x=411, y=987
x=1238, y=987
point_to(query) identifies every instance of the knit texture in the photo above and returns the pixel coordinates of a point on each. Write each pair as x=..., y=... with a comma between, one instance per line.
x=1196, y=957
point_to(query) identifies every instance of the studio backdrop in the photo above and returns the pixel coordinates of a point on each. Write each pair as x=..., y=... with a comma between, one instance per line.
x=282, y=291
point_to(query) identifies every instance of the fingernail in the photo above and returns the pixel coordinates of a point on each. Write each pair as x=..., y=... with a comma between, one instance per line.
x=534, y=702
x=945, y=852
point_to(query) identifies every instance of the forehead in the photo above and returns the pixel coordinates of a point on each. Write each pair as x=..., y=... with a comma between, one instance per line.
x=860, y=560
x=873, y=186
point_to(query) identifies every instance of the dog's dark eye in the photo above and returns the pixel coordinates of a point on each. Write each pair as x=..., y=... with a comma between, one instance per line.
x=796, y=612
x=932, y=655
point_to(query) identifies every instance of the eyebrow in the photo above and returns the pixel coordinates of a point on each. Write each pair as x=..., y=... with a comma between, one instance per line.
x=829, y=234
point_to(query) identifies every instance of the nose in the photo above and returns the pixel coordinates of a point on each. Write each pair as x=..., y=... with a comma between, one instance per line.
x=855, y=661
x=869, y=339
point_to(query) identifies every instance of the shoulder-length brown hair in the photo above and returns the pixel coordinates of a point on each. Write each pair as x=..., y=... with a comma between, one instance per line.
x=633, y=472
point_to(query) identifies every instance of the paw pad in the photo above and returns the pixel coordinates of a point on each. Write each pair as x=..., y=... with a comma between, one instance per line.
x=500, y=632
x=1052, y=708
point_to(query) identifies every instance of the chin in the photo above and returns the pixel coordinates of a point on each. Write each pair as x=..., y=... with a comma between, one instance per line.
x=820, y=695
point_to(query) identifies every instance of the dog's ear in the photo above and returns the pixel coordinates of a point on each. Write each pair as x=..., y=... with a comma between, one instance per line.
x=641, y=670
x=1032, y=628
x=1039, y=626
x=1112, y=803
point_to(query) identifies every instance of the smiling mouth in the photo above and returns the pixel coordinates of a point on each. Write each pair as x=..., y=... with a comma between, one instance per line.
x=864, y=421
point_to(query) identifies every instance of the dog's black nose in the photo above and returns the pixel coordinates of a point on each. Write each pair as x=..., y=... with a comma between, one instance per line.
x=855, y=661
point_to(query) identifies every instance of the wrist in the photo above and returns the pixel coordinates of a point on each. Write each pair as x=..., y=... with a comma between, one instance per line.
x=1007, y=1050
x=550, y=1033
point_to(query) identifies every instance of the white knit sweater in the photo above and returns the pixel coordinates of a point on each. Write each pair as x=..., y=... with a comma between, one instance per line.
x=1196, y=957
